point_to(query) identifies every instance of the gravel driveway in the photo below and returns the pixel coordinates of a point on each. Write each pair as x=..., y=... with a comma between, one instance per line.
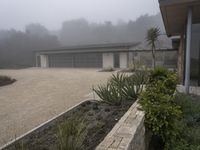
x=40, y=94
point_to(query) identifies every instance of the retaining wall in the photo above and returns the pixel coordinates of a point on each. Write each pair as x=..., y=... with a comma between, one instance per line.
x=128, y=133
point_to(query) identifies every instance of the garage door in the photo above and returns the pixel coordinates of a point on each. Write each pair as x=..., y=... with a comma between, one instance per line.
x=81, y=60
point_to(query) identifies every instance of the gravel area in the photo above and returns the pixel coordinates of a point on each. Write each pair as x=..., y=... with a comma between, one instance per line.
x=40, y=94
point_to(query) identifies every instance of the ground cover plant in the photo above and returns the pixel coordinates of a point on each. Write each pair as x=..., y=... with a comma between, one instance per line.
x=5, y=80
x=189, y=125
x=84, y=127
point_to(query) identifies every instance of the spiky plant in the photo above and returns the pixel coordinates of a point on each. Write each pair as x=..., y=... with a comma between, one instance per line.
x=109, y=94
x=71, y=134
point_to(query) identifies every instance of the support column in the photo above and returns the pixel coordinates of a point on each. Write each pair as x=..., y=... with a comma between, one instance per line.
x=123, y=59
x=188, y=48
x=180, y=63
x=36, y=61
x=44, y=61
x=108, y=60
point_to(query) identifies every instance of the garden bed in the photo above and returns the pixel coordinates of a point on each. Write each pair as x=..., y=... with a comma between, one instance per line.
x=5, y=80
x=99, y=119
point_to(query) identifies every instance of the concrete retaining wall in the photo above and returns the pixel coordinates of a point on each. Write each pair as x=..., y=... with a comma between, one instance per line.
x=128, y=133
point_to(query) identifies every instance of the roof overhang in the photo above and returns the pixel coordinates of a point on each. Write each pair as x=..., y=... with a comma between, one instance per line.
x=100, y=48
x=174, y=14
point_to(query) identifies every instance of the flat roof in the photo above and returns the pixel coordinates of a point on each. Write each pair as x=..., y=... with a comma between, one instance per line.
x=174, y=14
x=109, y=47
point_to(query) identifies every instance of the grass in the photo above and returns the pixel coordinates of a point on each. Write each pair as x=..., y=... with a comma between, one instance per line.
x=71, y=134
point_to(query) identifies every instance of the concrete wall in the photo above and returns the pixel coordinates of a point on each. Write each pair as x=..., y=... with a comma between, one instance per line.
x=44, y=61
x=123, y=59
x=108, y=60
x=128, y=133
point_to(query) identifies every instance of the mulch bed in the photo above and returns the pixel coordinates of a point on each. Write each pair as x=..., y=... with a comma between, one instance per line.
x=101, y=119
x=4, y=80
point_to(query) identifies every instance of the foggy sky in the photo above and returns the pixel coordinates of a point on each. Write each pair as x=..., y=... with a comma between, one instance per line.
x=51, y=13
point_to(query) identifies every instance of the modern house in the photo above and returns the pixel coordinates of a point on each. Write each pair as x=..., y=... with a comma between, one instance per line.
x=118, y=55
x=87, y=56
x=182, y=18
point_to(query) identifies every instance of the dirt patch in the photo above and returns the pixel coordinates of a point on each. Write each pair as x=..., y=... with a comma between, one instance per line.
x=100, y=118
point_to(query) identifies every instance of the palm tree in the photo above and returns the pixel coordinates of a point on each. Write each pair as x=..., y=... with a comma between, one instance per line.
x=152, y=38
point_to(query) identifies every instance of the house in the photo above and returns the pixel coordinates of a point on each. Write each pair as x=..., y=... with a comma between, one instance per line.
x=182, y=18
x=114, y=55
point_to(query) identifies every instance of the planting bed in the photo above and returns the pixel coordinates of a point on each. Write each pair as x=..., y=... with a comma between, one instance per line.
x=4, y=80
x=99, y=117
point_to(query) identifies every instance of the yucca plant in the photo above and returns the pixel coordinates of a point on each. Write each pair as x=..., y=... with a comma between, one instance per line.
x=152, y=38
x=71, y=134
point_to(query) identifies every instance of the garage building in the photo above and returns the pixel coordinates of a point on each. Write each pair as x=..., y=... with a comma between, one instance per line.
x=88, y=56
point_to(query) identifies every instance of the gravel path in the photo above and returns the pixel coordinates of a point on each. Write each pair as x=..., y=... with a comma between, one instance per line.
x=40, y=94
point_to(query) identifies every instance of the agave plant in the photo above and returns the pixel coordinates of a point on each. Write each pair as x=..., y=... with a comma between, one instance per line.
x=109, y=94
x=122, y=87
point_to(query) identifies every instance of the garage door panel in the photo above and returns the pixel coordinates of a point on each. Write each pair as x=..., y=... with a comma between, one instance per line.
x=88, y=60
x=58, y=60
x=81, y=60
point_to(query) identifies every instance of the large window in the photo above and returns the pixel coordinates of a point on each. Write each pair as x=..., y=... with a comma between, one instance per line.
x=195, y=55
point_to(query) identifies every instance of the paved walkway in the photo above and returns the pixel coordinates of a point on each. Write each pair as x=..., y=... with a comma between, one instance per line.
x=40, y=94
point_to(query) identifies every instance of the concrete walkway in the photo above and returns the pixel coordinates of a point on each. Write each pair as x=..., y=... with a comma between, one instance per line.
x=40, y=94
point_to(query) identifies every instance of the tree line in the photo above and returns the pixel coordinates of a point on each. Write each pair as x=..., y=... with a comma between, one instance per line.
x=17, y=47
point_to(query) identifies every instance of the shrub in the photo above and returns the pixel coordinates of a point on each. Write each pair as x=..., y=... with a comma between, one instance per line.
x=71, y=134
x=161, y=111
x=5, y=80
x=166, y=79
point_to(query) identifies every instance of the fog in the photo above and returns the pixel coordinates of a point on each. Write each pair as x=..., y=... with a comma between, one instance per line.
x=30, y=25
x=51, y=13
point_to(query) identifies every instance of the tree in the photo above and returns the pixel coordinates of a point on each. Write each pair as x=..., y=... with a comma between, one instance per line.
x=152, y=38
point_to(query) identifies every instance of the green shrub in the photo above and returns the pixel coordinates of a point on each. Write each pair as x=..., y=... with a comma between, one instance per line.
x=71, y=134
x=161, y=111
x=167, y=80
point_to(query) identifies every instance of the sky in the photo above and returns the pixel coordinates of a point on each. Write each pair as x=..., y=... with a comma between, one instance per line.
x=51, y=13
